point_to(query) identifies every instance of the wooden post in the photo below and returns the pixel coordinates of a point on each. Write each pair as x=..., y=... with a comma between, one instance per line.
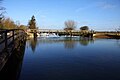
x=13, y=36
x=5, y=39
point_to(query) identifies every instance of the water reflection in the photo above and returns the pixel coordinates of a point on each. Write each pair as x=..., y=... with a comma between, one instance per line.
x=12, y=69
x=87, y=63
x=69, y=43
x=33, y=43
x=86, y=41
x=118, y=43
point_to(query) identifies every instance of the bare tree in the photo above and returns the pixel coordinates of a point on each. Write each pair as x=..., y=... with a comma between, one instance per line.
x=2, y=11
x=70, y=25
x=119, y=28
x=117, y=31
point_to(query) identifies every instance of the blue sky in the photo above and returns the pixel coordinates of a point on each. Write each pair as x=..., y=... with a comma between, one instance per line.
x=51, y=14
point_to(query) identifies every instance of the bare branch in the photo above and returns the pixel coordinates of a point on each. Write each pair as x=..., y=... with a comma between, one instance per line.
x=2, y=8
x=2, y=11
x=70, y=25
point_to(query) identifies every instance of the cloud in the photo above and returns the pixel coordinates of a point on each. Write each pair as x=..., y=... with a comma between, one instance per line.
x=84, y=8
x=80, y=9
x=105, y=5
x=108, y=6
x=43, y=16
x=83, y=22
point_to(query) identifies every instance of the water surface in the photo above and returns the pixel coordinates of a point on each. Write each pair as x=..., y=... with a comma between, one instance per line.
x=71, y=59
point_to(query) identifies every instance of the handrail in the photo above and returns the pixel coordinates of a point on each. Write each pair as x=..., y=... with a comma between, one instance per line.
x=9, y=34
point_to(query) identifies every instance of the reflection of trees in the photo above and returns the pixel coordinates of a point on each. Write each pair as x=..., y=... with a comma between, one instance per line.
x=85, y=41
x=33, y=43
x=118, y=43
x=69, y=43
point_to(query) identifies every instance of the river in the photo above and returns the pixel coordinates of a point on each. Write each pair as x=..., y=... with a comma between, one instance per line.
x=71, y=59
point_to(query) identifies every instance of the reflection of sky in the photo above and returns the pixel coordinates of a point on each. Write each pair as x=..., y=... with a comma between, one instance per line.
x=52, y=60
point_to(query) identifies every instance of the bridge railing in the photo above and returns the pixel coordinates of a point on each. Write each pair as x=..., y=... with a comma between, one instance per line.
x=8, y=36
x=51, y=30
x=9, y=41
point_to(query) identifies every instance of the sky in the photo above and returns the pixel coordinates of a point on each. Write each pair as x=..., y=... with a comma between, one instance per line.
x=51, y=14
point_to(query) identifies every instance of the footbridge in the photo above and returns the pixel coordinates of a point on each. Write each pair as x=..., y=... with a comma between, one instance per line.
x=61, y=32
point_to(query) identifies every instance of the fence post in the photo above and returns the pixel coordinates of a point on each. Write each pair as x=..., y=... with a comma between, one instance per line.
x=13, y=35
x=6, y=39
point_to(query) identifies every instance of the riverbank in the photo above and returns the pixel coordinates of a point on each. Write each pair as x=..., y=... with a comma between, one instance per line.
x=108, y=36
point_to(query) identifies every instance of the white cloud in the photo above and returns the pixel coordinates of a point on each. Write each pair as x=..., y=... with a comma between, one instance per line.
x=83, y=8
x=43, y=16
x=79, y=9
x=105, y=5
